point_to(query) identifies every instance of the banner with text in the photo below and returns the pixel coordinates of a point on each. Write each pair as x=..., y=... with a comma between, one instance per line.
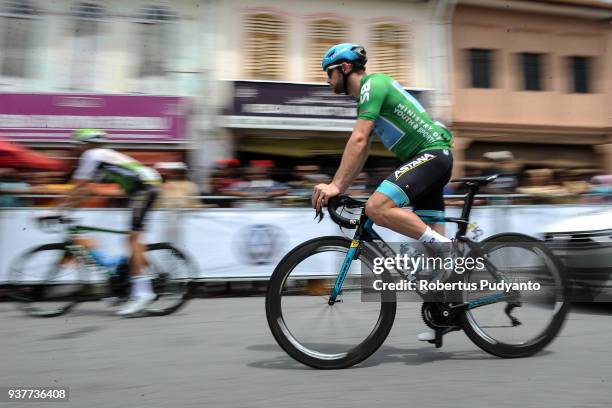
x=126, y=118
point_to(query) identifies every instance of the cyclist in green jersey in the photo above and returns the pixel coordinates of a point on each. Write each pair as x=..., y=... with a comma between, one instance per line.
x=140, y=183
x=384, y=108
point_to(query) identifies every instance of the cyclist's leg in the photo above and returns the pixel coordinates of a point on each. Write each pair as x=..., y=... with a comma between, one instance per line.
x=430, y=208
x=419, y=182
x=140, y=205
x=411, y=182
x=429, y=205
x=141, y=287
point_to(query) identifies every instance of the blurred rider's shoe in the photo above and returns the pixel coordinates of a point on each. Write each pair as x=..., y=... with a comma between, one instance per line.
x=429, y=335
x=136, y=304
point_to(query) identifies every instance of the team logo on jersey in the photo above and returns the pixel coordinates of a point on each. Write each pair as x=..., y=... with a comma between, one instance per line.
x=365, y=91
x=413, y=164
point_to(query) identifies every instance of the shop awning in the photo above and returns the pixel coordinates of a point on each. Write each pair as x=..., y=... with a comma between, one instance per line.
x=13, y=155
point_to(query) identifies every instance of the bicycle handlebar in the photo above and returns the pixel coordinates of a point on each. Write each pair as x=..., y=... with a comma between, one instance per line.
x=49, y=221
x=346, y=202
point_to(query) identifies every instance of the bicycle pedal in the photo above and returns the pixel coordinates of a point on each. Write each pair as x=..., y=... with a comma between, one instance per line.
x=438, y=340
x=440, y=333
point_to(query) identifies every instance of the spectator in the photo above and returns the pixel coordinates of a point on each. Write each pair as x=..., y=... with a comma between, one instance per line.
x=574, y=183
x=259, y=185
x=541, y=184
x=12, y=185
x=176, y=191
x=501, y=163
x=602, y=188
x=224, y=176
x=307, y=176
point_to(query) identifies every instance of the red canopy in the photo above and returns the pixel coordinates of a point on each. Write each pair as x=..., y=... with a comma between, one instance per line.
x=18, y=157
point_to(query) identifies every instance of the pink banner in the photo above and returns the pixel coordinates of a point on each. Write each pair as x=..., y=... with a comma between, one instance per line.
x=126, y=118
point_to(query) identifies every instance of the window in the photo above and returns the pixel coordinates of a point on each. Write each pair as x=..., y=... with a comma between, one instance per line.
x=16, y=38
x=390, y=52
x=85, y=33
x=481, y=66
x=157, y=40
x=323, y=34
x=266, y=50
x=580, y=74
x=532, y=71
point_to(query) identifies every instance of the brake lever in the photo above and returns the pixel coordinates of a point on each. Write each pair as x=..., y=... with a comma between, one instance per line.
x=320, y=214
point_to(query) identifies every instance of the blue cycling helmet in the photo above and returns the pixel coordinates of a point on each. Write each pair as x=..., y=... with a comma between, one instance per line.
x=345, y=52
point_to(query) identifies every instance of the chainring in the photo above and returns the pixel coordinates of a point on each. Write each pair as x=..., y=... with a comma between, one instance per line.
x=433, y=315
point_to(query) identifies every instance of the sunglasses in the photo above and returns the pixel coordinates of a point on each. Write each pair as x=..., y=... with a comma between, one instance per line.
x=330, y=69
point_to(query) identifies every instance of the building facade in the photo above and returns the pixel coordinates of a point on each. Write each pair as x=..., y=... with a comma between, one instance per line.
x=272, y=51
x=533, y=78
x=134, y=68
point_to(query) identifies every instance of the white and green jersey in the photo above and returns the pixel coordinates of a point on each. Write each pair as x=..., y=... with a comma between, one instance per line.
x=107, y=165
x=399, y=119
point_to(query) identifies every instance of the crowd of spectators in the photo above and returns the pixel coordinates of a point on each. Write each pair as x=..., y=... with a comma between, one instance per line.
x=257, y=183
x=543, y=184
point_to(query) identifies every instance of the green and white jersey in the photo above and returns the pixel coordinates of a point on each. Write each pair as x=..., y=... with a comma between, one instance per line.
x=399, y=119
x=107, y=165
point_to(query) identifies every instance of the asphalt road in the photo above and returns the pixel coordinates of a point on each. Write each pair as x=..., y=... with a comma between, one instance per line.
x=219, y=352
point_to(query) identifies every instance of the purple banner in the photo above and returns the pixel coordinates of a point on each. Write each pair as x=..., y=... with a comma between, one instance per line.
x=291, y=100
x=126, y=118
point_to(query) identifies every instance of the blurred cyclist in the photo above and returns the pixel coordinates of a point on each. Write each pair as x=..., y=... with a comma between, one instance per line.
x=422, y=144
x=140, y=183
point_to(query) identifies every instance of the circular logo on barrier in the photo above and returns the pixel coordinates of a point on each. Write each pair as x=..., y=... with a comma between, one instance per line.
x=260, y=244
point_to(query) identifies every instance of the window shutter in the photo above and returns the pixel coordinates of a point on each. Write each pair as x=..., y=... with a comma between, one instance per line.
x=323, y=34
x=266, y=47
x=87, y=16
x=89, y=10
x=391, y=52
x=157, y=40
x=16, y=37
x=18, y=8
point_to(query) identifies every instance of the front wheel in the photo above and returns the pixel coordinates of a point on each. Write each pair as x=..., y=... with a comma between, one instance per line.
x=527, y=321
x=44, y=281
x=305, y=324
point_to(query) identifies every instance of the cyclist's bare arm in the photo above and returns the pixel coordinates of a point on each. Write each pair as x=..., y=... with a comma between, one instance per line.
x=80, y=191
x=355, y=155
x=84, y=189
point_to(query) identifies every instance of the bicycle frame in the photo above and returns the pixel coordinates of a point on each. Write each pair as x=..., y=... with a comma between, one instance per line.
x=83, y=253
x=365, y=232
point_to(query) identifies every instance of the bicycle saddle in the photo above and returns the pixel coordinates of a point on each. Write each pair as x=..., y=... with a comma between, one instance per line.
x=475, y=181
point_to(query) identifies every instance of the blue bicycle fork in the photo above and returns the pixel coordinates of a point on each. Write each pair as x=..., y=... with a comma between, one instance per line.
x=346, y=264
x=348, y=259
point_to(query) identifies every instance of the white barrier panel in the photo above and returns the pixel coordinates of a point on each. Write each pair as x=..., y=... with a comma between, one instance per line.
x=20, y=233
x=249, y=243
x=245, y=243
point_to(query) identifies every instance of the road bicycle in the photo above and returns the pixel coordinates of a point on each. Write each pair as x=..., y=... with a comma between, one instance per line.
x=341, y=321
x=49, y=280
